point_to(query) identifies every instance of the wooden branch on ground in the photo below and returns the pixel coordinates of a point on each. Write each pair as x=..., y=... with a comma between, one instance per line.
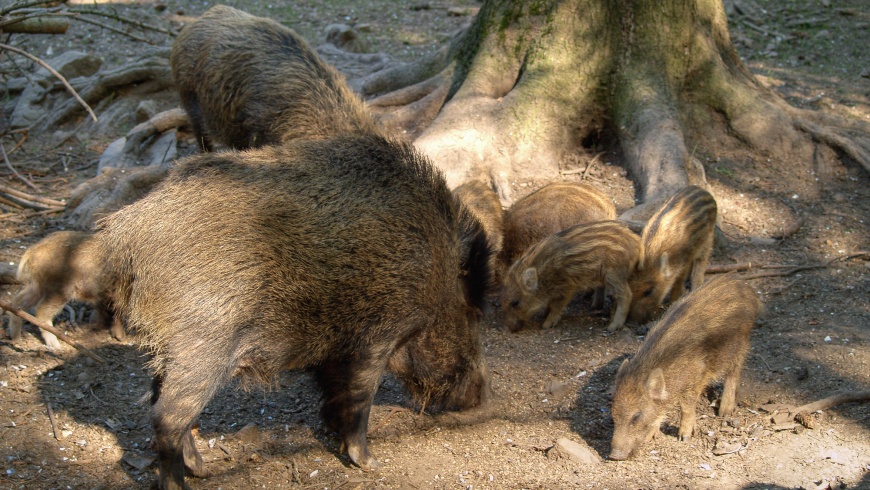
x=51, y=329
x=23, y=5
x=9, y=164
x=147, y=69
x=55, y=73
x=114, y=29
x=718, y=269
x=833, y=400
x=122, y=19
x=35, y=24
x=787, y=271
x=51, y=203
x=52, y=420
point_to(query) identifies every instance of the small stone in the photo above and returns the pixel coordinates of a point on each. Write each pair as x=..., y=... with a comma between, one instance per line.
x=568, y=449
x=839, y=197
x=145, y=110
x=827, y=338
x=762, y=241
x=137, y=461
x=248, y=434
x=557, y=388
x=724, y=447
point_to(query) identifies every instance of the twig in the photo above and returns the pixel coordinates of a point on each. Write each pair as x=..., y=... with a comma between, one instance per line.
x=765, y=363
x=52, y=419
x=839, y=398
x=718, y=269
x=22, y=195
x=387, y=418
x=590, y=164
x=55, y=73
x=795, y=269
x=125, y=20
x=22, y=5
x=96, y=397
x=783, y=288
x=9, y=164
x=49, y=328
x=113, y=29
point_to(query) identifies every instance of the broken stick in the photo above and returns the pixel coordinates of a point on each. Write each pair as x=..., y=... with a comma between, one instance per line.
x=833, y=400
x=718, y=269
x=49, y=328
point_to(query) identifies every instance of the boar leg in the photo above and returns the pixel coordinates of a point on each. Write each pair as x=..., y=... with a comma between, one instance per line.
x=698, y=267
x=622, y=297
x=24, y=300
x=349, y=386
x=46, y=311
x=192, y=458
x=180, y=395
x=191, y=105
x=728, y=402
x=687, y=417
x=103, y=316
x=598, y=298
x=557, y=307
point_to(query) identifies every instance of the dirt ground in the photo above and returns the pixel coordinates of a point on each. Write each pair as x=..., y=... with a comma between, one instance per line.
x=813, y=341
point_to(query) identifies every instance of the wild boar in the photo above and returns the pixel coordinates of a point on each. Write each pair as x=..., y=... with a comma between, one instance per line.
x=676, y=242
x=341, y=256
x=62, y=267
x=579, y=258
x=702, y=338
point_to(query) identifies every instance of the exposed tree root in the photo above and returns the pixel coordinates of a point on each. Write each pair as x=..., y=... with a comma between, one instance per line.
x=152, y=72
x=412, y=108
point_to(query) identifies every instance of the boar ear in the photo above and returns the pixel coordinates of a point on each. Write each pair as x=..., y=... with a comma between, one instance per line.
x=621, y=367
x=665, y=266
x=530, y=279
x=655, y=385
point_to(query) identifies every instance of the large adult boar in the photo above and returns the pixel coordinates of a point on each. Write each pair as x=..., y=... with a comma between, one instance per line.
x=702, y=338
x=579, y=258
x=676, y=243
x=550, y=209
x=340, y=256
x=248, y=81
x=484, y=204
x=62, y=267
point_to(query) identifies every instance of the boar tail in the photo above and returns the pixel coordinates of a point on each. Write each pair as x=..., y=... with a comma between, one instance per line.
x=475, y=252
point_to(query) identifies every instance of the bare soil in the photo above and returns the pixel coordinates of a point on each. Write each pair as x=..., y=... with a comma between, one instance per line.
x=813, y=340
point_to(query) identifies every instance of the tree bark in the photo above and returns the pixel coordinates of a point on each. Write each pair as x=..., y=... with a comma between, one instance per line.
x=532, y=82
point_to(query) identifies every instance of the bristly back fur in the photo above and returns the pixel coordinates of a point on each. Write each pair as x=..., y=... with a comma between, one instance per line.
x=685, y=219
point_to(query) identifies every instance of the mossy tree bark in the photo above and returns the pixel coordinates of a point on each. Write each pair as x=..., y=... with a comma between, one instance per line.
x=532, y=81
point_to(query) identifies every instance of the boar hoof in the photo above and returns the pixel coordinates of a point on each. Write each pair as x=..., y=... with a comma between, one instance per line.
x=685, y=437
x=361, y=457
x=51, y=341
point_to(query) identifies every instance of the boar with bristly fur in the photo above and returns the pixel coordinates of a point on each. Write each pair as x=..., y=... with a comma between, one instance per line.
x=344, y=257
x=579, y=258
x=702, y=338
x=675, y=244
x=62, y=267
x=248, y=81
x=484, y=204
x=550, y=209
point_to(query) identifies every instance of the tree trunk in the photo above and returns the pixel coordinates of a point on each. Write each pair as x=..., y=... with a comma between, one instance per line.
x=532, y=82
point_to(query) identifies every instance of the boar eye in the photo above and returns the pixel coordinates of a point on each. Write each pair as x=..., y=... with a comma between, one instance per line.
x=636, y=418
x=515, y=303
x=647, y=293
